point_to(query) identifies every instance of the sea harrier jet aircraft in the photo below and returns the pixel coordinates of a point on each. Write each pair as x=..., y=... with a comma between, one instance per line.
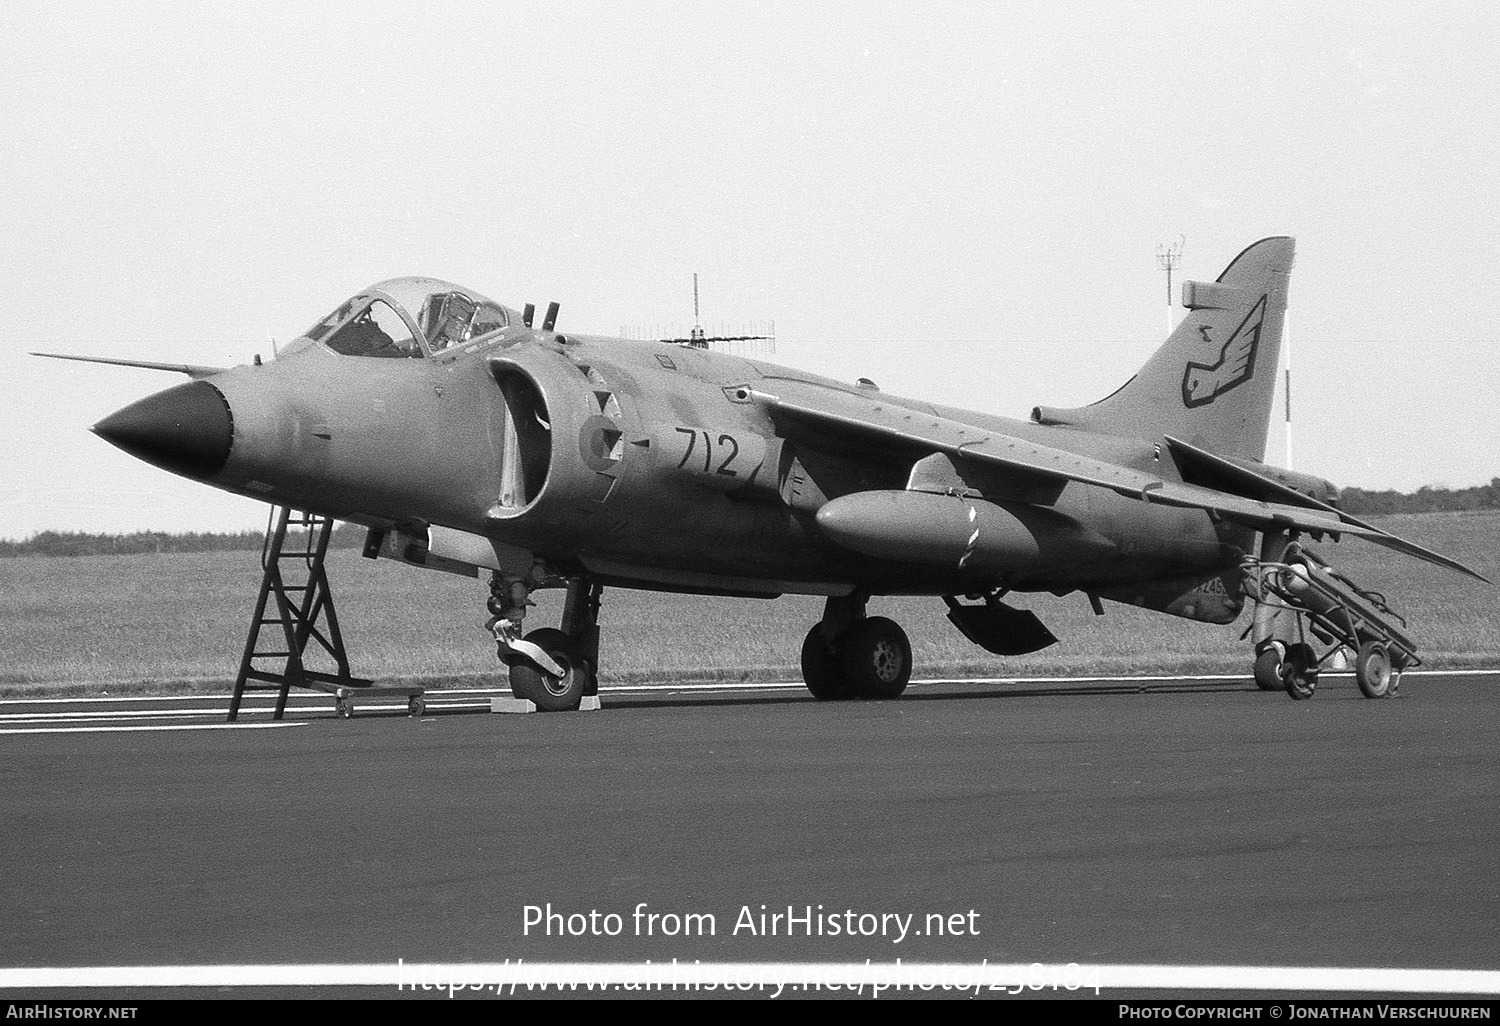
x=465, y=439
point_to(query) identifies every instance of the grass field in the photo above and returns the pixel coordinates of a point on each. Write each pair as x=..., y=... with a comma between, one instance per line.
x=161, y=622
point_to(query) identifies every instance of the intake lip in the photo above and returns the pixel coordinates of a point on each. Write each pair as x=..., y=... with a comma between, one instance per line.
x=187, y=430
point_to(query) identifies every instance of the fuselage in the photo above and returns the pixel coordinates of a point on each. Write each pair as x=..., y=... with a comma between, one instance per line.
x=640, y=464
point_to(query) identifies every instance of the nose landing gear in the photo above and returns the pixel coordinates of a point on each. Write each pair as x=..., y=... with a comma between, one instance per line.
x=556, y=670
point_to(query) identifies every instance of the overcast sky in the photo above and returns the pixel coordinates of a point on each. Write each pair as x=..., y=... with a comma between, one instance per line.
x=910, y=173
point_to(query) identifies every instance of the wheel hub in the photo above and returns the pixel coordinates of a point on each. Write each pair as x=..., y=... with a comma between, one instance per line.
x=887, y=661
x=559, y=685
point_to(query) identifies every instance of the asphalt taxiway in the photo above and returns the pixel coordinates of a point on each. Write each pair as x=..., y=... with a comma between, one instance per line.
x=1139, y=821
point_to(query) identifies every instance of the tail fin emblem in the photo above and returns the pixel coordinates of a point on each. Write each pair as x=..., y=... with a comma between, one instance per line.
x=1203, y=383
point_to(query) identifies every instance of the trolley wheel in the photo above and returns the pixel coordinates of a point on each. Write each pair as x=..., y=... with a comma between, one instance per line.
x=1299, y=671
x=1373, y=671
x=1268, y=669
x=415, y=706
x=343, y=708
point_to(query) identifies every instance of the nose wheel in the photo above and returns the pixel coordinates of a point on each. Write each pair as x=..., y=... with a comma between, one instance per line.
x=551, y=692
x=553, y=669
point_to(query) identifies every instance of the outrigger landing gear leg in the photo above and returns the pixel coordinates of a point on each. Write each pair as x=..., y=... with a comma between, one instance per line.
x=850, y=655
x=551, y=668
x=1273, y=625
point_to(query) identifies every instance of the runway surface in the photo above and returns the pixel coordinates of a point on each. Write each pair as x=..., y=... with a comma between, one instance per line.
x=1140, y=822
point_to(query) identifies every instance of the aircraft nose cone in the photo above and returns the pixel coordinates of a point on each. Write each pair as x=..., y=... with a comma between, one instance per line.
x=187, y=429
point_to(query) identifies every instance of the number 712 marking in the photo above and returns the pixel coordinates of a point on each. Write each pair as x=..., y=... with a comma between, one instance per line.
x=727, y=447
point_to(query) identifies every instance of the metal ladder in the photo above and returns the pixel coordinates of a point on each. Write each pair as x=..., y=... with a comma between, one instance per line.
x=299, y=606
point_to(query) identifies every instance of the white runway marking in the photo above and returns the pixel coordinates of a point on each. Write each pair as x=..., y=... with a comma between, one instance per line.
x=103, y=716
x=49, y=714
x=319, y=702
x=785, y=977
x=168, y=726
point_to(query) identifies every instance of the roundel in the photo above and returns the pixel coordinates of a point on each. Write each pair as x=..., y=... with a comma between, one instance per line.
x=599, y=443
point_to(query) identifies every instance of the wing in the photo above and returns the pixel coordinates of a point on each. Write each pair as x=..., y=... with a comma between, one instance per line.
x=855, y=417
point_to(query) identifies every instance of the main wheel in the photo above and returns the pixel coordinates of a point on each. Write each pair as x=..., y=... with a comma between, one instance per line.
x=1268, y=669
x=1372, y=670
x=551, y=693
x=1299, y=671
x=821, y=667
x=876, y=658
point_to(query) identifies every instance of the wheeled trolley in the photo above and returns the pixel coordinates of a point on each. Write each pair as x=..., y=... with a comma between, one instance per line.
x=344, y=695
x=1339, y=613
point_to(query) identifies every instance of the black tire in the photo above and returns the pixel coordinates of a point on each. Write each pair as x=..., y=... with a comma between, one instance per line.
x=1373, y=671
x=1268, y=669
x=876, y=659
x=821, y=667
x=548, y=692
x=1299, y=671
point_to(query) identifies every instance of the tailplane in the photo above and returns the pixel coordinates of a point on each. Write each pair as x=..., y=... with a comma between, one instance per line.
x=1212, y=382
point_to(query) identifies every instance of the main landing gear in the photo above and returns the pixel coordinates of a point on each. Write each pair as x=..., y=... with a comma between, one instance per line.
x=850, y=655
x=554, y=669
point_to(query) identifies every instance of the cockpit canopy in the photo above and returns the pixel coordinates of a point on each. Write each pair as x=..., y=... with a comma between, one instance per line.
x=409, y=317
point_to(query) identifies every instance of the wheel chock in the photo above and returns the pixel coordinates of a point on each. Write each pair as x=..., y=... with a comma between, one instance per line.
x=512, y=705
x=508, y=704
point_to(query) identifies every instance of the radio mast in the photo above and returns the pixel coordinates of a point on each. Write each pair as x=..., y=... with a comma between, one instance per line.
x=1169, y=258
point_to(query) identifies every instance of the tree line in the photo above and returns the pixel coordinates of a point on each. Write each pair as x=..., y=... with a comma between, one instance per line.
x=78, y=543
x=1426, y=499
x=1357, y=501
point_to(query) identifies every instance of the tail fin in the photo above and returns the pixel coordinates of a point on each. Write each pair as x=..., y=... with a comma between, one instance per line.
x=1213, y=380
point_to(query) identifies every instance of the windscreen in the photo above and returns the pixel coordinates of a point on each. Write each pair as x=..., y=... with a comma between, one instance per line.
x=377, y=330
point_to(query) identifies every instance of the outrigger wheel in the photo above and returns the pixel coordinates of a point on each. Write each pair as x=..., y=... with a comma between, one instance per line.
x=1372, y=670
x=549, y=692
x=1268, y=668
